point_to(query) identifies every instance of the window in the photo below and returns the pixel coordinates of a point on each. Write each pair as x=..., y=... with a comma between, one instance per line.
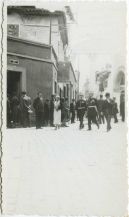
x=13, y=30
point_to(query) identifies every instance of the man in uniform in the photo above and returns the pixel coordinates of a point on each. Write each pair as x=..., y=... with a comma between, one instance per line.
x=81, y=108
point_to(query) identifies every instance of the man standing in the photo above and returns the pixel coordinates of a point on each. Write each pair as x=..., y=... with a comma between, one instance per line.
x=107, y=109
x=81, y=108
x=52, y=109
x=100, y=108
x=92, y=112
x=9, y=112
x=72, y=110
x=25, y=106
x=114, y=110
x=15, y=104
x=39, y=110
x=65, y=112
x=122, y=105
x=46, y=112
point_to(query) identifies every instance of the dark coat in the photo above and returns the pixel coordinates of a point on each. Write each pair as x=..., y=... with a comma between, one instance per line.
x=72, y=107
x=38, y=105
x=100, y=105
x=81, y=107
x=52, y=106
x=46, y=111
x=25, y=103
x=92, y=107
x=107, y=107
x=114, y=108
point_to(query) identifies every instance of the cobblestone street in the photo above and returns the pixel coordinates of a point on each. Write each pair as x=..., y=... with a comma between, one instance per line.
x=65, y=172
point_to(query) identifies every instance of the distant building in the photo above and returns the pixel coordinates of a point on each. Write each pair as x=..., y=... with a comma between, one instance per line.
x=107, y=74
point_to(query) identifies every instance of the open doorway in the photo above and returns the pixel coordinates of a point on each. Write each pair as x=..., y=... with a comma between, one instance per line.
x=13, y=83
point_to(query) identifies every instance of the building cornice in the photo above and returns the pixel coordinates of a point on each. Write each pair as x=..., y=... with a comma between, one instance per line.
x=28, y=41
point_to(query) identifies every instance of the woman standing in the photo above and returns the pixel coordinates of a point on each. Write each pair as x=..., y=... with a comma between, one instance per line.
x=57, y=113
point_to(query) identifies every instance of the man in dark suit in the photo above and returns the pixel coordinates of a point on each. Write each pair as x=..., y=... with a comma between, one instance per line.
x=72, y=110
x=122, y=105
x=39, y=110
x=52, y=110
x=107, y=110
x=65, y=112
x=100, y=107
x=92, y=112
x=81, y=108
x=15, y=104
x=46, y=112
x=114, y=110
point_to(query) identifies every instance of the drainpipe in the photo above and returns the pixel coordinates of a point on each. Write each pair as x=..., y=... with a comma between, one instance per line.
x=50, y=31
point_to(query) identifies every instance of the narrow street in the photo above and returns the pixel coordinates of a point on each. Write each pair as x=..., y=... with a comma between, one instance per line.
x=65, y=172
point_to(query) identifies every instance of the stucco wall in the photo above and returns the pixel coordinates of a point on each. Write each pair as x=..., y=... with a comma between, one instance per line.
x=37, y=28
x=38, y=76
x=39, y=73
x=25, y=48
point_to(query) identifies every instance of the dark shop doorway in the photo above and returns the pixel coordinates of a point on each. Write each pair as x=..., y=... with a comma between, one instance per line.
x=13, y=83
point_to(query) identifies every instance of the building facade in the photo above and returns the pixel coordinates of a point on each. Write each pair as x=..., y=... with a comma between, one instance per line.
x=37, y=41
x=67, y=81
x=39, y=25
x=31, y=66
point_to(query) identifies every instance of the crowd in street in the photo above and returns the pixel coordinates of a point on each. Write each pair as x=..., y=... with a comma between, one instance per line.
x=57, y=112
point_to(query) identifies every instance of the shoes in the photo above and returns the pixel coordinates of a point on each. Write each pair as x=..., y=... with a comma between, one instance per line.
x=66, y=126
x=81, y=126
x=109, y=129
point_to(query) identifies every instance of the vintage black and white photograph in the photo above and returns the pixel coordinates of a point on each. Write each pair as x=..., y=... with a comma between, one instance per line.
x=64, y=146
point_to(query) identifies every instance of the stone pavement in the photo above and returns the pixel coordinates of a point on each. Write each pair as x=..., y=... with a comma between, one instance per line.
x=65, y=172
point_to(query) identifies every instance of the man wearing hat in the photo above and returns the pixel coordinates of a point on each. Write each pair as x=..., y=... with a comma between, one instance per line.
x=81, y=108
x=107, y=110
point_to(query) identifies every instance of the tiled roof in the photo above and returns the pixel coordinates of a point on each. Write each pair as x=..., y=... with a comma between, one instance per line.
x=32, y=10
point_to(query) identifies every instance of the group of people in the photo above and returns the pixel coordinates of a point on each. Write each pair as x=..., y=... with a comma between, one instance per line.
x=99, y=111
x=56, y=112
x=18, y=110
